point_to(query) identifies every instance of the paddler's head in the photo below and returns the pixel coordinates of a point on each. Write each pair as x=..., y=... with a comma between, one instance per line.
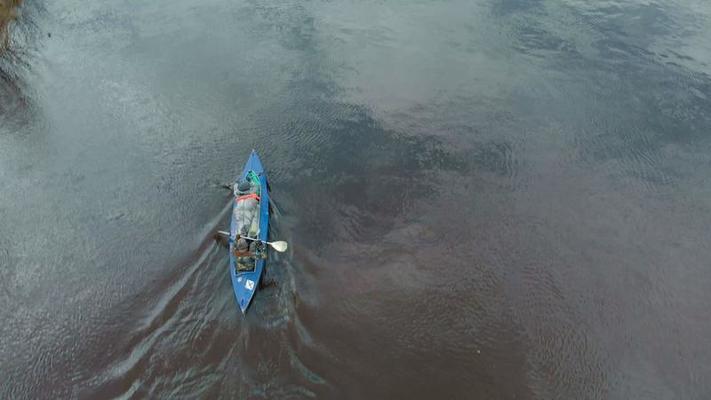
x=242, y=245
x=244, y=186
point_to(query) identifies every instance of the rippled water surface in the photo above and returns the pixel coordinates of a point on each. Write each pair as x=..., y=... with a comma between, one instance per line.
x=497, y=199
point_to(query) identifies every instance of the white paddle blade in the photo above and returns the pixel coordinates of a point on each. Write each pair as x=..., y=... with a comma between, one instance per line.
x=223, y=233
x=279, y=246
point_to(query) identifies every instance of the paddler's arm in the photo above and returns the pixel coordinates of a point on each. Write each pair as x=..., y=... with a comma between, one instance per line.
x=261, y=250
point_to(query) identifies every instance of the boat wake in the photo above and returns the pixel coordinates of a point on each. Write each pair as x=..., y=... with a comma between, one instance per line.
x=189, y=336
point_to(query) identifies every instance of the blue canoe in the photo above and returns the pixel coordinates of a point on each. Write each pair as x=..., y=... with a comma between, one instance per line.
x=245, y=284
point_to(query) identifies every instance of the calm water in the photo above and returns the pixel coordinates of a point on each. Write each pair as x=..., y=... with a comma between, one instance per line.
x=496, y=199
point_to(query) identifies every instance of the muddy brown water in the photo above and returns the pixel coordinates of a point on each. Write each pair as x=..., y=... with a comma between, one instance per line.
x=492, y=199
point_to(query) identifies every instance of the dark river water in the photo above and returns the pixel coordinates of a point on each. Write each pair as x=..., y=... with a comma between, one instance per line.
x=490, y=199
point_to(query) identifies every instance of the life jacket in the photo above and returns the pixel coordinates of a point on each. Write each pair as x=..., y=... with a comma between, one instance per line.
x=247, y=196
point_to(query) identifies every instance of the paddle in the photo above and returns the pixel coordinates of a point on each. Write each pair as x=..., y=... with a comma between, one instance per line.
x=279, y=245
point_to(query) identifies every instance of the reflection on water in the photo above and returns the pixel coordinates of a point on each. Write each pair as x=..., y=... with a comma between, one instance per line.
x=497, y=199
x=18, y=41
x=8, y=14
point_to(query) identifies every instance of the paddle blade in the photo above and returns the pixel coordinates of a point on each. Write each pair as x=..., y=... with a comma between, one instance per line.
x=279, y=246
x=222, y=238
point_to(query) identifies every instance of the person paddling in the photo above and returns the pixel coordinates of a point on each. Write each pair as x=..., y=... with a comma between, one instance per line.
x=246, y=251
x=246, y=208
x=248, y=248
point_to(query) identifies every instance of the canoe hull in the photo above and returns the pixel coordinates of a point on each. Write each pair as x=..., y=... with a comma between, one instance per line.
x=245, y=284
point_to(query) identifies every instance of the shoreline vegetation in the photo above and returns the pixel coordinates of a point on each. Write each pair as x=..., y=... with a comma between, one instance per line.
x=8, y=13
